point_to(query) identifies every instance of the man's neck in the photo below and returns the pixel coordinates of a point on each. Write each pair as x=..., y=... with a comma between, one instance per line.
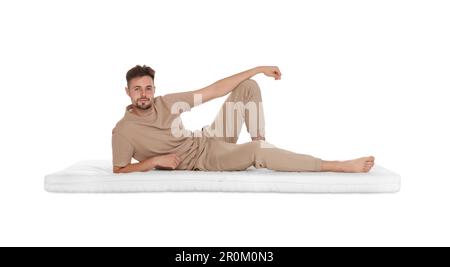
x=141, y=112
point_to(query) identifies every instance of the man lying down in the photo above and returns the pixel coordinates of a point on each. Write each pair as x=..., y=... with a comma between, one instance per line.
x=151, y=130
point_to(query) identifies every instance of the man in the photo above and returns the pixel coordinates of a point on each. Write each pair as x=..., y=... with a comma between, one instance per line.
x=152, y=132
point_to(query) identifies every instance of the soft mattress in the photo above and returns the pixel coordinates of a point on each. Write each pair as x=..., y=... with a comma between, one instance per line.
x=96, y=176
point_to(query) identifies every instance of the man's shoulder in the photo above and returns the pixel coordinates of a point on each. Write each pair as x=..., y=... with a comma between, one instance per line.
x=121, y=126
x=176, y=101
x=120, y=134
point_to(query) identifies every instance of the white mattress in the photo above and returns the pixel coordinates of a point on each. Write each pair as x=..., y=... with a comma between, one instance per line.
x=96, y=176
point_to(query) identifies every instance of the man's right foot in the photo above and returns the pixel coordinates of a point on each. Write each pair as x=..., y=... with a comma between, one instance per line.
x=363, y=164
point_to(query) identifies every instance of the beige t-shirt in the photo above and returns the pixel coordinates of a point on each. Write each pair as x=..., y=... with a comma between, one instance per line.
x=142, y=137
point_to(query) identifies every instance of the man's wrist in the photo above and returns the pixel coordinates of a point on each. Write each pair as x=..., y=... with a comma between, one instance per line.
x=149, y=163
x=258, y=69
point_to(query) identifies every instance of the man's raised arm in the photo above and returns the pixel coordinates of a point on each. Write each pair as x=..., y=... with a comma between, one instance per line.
x=224, y=86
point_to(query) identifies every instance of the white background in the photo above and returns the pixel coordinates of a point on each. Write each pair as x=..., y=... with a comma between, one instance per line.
x=359, y=78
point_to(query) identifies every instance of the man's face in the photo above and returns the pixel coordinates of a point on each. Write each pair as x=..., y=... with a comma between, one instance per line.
x=141, y=90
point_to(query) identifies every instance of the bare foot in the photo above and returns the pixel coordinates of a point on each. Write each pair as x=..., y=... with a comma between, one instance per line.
x=363, y=164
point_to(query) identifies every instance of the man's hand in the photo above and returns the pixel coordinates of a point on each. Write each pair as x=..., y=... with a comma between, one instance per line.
x=166, y=162
x=271, y=71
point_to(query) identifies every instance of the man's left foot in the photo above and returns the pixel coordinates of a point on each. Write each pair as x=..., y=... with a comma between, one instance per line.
x=363, y=164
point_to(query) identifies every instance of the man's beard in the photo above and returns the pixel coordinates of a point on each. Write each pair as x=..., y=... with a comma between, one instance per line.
x=143, y=105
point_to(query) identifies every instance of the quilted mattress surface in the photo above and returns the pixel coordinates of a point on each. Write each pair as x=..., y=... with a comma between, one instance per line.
x=96, y=176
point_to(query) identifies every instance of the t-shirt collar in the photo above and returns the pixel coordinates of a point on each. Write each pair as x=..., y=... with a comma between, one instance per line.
x=128, y=112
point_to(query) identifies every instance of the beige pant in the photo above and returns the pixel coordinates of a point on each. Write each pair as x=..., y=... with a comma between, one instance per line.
x=223, y=154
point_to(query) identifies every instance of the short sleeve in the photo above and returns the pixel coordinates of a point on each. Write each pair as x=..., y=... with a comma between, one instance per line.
x=180, y=102
x=122, y=150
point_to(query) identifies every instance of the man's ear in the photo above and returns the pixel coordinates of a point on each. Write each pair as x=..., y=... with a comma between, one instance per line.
x=127, y=91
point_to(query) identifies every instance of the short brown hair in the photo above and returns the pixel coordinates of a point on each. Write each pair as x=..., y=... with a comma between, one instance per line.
x=140, y=71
